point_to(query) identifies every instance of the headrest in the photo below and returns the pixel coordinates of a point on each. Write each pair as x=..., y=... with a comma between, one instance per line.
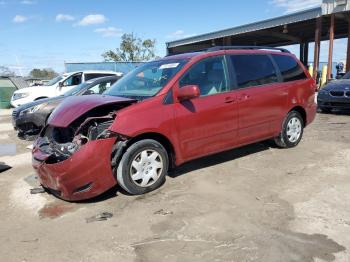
x=215, y=76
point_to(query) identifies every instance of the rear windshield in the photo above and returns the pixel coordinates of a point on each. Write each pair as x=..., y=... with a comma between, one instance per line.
x=346, y=76
x=76, y=90
x=146, y=80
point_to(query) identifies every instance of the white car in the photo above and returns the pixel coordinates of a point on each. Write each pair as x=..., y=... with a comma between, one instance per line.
x=56, y=86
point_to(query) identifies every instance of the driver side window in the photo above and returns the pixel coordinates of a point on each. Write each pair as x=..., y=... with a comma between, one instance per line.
x=210, y=75
x=73, y=80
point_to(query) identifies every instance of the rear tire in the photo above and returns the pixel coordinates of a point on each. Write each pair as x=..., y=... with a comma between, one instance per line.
x=292, y=131
x=143, y=167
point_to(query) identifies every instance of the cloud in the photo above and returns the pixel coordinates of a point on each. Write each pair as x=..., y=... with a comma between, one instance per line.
x=109, y=31
x=93, y=19
x=291, y=6
x=28, y=2
x=178, y=34
x=19, y=19
x=64, y=18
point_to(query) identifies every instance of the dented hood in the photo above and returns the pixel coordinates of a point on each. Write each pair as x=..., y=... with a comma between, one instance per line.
x=75, y=106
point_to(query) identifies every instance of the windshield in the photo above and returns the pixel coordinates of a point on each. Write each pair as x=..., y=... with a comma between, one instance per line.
x=54, y=80
x=76, y=89
x=346, y=76
x=146, y=80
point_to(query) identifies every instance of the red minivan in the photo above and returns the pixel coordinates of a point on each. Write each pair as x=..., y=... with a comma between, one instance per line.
x=170, y=111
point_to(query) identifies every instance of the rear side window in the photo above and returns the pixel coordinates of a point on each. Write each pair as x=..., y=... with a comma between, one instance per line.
x=290, y=69
x=253, y=70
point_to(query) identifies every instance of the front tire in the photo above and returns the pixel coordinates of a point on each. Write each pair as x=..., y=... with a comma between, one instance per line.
x=292, y=131
x=143, y=167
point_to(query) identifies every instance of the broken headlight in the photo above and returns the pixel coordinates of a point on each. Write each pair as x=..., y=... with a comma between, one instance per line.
x=100, y=131
x=67, y=149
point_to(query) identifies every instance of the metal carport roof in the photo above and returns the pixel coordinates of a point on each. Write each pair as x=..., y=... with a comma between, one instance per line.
x=252, y=27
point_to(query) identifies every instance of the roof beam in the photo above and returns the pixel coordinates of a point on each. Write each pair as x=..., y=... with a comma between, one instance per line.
x=344, y=16
x=280, y=35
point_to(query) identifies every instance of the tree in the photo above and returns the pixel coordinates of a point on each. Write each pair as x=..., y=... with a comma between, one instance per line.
x=47, y=73
x=5, y=71
x=132, y=49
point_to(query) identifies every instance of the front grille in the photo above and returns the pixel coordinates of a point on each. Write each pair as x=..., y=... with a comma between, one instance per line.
x=337, y=104
x=347, y=93
x=337, y=93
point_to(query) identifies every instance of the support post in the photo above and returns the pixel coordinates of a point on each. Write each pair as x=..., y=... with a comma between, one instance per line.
x=227, y=41
x=304, y=53
x=318, y=33
x=301, y=56
x=348, y=50
x=330, y=51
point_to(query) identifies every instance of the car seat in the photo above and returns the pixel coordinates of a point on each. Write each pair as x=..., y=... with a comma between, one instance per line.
x=214, y=83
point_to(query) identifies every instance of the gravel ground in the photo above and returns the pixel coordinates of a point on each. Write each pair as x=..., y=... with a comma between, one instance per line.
x=255, y=203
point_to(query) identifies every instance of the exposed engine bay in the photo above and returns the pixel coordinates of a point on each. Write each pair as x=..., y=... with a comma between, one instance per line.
x=61, y=142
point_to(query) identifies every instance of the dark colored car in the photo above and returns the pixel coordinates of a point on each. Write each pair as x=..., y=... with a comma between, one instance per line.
x=30, y=118
x=170, y=111
x=335, y=95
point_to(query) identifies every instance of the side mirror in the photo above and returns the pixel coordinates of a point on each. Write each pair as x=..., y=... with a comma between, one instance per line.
x=188, y=92
x=60, y=84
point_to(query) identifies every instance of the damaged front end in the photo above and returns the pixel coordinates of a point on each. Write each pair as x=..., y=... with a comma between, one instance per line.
x=62, y=142
x=73, y=158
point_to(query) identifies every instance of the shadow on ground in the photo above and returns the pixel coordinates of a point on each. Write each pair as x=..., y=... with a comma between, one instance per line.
x=197, y=164
x=220, y=158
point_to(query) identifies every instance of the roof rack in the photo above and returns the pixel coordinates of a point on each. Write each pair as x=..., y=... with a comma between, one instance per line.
x=218, y=48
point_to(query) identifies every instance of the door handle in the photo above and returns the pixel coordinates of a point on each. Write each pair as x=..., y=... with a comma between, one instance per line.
x=229, y=99
x=244, y=97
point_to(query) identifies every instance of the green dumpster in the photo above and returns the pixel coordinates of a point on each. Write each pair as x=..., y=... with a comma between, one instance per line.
x=6, y=90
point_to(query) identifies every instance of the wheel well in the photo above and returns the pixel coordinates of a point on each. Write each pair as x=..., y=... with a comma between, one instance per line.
x=162, y=140
x=47, y=118
x=301, y=111
x=42, y=97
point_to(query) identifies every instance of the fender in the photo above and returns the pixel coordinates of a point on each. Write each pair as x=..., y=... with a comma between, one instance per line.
x=302, y=94
x=145, y=117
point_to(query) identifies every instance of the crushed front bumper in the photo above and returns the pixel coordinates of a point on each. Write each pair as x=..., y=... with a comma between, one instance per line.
x=85, y=174
x=29, y=125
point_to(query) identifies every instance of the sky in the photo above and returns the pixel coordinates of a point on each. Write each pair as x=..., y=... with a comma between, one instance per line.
x=45, y=33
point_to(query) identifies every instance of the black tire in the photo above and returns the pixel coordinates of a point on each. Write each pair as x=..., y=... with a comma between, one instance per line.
x=124, y=168
x=326, y=110
x=283, y=140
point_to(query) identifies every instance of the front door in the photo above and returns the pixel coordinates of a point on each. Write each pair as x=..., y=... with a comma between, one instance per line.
x=207, y=124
